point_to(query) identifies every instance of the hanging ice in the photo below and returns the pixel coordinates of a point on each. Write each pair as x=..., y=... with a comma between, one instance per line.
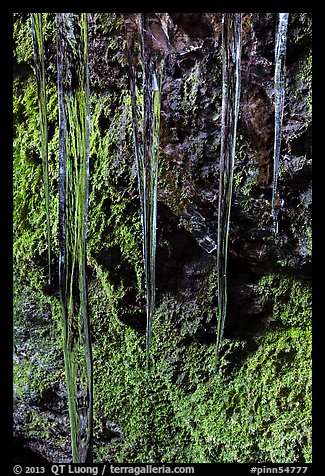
x=279, y=93
x=145, y=71
x=74, y=126
x=231, y=78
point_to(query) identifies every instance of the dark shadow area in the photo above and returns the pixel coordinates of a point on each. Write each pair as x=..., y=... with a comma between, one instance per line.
x=181, y=262
x=22, y=455
x=132, y=310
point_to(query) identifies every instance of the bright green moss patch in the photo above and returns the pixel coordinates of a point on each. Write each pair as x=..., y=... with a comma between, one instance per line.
x=291, y=298
x=30, y=243
x=181, y=412
x=22, y=36
x=114, y=207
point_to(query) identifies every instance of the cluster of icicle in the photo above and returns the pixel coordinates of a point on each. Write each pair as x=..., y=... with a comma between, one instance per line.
x=231, y=62
x=145, y=74
x=74, y=127
x=231, y=58
x=146, y=63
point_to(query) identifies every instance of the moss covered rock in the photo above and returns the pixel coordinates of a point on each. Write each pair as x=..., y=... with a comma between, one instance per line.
x=256, y=407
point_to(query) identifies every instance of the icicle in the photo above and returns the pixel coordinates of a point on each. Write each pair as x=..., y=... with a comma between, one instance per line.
x=37, y=33
x=145, y=88
x=279, y=92
x=231, y=69
x=74, y=125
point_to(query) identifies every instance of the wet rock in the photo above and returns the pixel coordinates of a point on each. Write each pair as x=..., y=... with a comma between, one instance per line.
x=188, y=191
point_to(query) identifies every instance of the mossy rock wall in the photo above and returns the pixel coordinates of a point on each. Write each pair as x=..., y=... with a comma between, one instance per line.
x=257, y=406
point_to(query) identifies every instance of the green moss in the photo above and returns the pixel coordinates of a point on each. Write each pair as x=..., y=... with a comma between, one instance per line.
x=37, y=424
x=30, y=244
x=36, y=371
x=267, y=401
x=291, y=300
x=256, y=408
x=304, y=81
x=22, y=36
x=191, y=87
x=309, y=240
x=114, y=207
x=183, y=413
x=245, y=177
x=38, y=361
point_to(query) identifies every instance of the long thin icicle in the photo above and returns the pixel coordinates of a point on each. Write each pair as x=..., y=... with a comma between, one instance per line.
x=145, y=87
x=231, y=76
x=279, y=93
x=37, y=33
x=74, y=125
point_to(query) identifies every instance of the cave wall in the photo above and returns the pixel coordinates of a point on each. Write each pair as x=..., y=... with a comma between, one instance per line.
x=257, y=406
